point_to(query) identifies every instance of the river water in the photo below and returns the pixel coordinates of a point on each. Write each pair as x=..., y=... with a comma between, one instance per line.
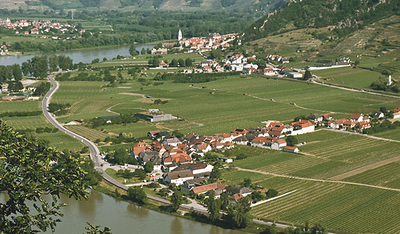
x=85, y=56
x=124, y=217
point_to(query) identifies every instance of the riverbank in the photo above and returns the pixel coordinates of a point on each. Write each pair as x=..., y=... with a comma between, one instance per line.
x=189, y=214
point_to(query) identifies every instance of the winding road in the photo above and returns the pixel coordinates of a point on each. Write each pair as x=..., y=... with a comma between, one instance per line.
x=94, y=151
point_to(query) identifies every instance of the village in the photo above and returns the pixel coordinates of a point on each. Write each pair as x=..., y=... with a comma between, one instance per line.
x=32, y=27
x=180, y=162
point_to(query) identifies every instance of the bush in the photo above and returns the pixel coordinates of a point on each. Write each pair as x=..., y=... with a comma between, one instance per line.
x=271, y=193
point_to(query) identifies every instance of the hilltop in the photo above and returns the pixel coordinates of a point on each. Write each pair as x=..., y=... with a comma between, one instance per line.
x=342, y=17
x=261, y=6
x=312, y=31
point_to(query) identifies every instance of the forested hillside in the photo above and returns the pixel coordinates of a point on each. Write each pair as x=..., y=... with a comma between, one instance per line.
x=344, y=17
x=256, y=6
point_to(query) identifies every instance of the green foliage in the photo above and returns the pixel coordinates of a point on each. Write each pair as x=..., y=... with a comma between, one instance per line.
x=148, y=167
x=215, y=173
x=20, y=113
x=224, y=198
x=27, y=177
x=188, y=62
x=306, y=14
x=381, y=84
x=307, y=75
x=241, y=156
x=213, y=208
x=120, y=156
x=271, y=193
x=292, y=141
x=57, y=107
x=91, y=229
x=239, y=215
x=195, y=77
x=246, y=182
x=137, y=194
x=381, y=127
x=121, y=119
x=176, y=200
x=42, y=89
x=133, y=51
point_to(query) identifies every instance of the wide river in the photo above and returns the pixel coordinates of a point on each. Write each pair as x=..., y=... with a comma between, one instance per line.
x=84, y=56
x=100, y=209
x=124, y=217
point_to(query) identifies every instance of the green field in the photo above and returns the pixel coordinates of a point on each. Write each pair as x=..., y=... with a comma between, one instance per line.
x=226, y=109
x=349, y=76
x=339, y=207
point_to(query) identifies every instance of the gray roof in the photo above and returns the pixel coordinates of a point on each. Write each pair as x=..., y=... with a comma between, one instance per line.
x=152, y=156
x=236, y=189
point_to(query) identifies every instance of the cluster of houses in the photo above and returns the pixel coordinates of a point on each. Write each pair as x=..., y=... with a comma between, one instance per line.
x=194, y=187
x=3, y=50
x=277, y=58
x=201, y=44
x=198, y=44
x=174, y=156
x=37, y=27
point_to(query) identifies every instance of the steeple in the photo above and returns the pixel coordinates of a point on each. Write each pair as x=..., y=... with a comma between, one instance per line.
x=179, y=35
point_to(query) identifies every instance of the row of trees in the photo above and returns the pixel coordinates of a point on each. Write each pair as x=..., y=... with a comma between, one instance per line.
x=194, y=77
x=39, y=66
x=121, y=119
x=10, y=73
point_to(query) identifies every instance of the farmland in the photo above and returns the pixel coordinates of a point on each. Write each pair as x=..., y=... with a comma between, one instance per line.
x=337, y=206
x=225, y=109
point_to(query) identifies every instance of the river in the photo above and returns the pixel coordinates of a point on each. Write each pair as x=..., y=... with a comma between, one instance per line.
x=84, y=56
x=124, y=217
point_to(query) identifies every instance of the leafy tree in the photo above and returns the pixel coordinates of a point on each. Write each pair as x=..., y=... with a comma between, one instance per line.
x=239, y=215
x=137, y=194
x=140, y=173
x=307, y=75
x=188, y=62
x=133, y=51
x=215, y=173
x=26, y=177
x=176, y=200
x=143, y=51
x=17, y=72
x=39, y=66
x=181, y=62
x=91, y=229
x=174, y=63
x=271, y=193
x=224, y=198
x=148, y=167
x=213, y=208
x=246, y=182
x=241, y=156
x=292, y=141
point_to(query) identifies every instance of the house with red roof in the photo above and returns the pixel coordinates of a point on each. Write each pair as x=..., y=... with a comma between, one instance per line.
x=357, y=117
x=302, y=126
x=290, y=149
x=162, y=64
x=396, y=113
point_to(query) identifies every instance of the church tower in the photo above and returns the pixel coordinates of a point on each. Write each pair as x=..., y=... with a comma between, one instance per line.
x=390, y=81
x=179, y=35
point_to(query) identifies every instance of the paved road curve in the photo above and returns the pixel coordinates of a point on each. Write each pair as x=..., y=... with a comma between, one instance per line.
x=94, y=151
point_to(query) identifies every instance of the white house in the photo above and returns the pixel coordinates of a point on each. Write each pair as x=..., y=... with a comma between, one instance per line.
x=178, y=177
